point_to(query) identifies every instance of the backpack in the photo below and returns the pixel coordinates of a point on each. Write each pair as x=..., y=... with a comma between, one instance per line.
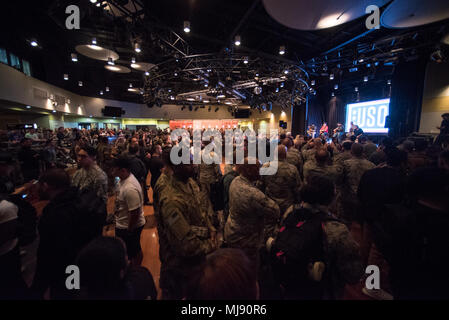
x=298, y=244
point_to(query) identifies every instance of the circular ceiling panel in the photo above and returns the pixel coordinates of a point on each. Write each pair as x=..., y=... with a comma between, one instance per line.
x=317, y=14
x=142, y=66
x=118, y=69
x=96, y=52
x=413, y=13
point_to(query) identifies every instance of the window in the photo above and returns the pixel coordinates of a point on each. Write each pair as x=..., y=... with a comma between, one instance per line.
x=15, y=61
x=26, y=67
x=3, y=56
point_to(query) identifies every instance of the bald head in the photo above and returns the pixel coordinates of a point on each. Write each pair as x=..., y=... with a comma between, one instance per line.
x=321, y=156
x=282, y=152
x=357, y=150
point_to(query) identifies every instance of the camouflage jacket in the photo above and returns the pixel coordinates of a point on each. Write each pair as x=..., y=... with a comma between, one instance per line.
x=283, y=187
x=93, y=179
x=183, y=225
x=333, y=172
x=353, y=170
x=252, y=216
x=294, y=157
x=342, y=157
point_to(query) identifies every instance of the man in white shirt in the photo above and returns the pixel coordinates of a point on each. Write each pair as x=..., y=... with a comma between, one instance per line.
x=129, y=218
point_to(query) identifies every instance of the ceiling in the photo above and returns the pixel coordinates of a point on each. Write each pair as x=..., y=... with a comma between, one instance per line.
x=205, y=64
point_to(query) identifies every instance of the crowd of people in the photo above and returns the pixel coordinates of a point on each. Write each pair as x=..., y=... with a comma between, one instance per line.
x=225, y=231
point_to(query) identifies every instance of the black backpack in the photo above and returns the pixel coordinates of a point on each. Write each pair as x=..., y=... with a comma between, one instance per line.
x=298, y=244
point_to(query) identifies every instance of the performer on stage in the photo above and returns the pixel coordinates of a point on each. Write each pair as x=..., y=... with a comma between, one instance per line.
x=324, y=131
x=339, y=132
x=311, y=131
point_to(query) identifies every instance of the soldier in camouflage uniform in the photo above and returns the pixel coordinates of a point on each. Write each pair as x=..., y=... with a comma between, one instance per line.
x=283, y=187
x=320, y=166
x=293, y=155
x=186, y=235
x=253, y=217
x=353, y=170
x=309, y=150
x=345, y=154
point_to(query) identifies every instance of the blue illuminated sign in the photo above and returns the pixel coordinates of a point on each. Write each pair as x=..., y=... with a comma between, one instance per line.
x=370, y=116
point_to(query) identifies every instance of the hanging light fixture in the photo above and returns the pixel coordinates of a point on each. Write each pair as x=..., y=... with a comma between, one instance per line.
x=282, y=50
x=356, y=89
x=74, y=57
x=80, y=83
x=111, y=61
x=312, y=82
x=101, y=92
x=107, y=89
x=331, y=77
x=133, y=60
x=336, y=87
x=245, y=60
x=130, y=85
x=66, y=76
x=237, y=41
x=365, y=78
x=186, y=26
x=137, y=47
x=94, y=41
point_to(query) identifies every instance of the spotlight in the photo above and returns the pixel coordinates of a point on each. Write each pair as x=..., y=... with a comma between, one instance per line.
x=34, y=43
x=356, y=89
x=389, y=82
x=365, y=78
x=331, y=77
x=277, y=90
x=175, y=74
x=368, y=65
x=333, y=94
x=94, y=41
x=133, y=60
x=74, y=57
x=28, y=107
x=361, y=60
x=172, y=98
x=137, y=47
x=282, y=50
x=93, y=1
x=245, y=60
x=54, y=111
x=336, y=87
x=111, y=61
x=107, y=89
x=206, y=85
x=130, y=85
x=282, y=84
x=147, y=73
x=101, y=92
x=286, y=72
x=186, y=26
x=312, y=82
x=80, y=83
x=237, y=41
x=66, y=76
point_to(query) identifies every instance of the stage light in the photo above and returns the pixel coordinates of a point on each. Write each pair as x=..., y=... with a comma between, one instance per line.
x=130, y=85
x=356, y=89
x=286, y=72
x=277, y=90
x=80, y=83
x=34, y=43
x=101, y=92
x=147, y=73
x=98, y=4
x=175, y=74
x=74, y=57
x=93, y=1
x=172, y=98
x=333, y=94
x=282, y=50
x=66, y=76
x=336, y=87
x=137, y=47
x=107, y=89
x=365, y=78
x=282, y=84
x=237, y=41
x=186, y=26
x=312, y=82
x=354, y=69
x=133, y=60
x=389, y=82
x=206, y=101
x=245, y=60
x=206, y=85
x=368, y=65
x=28, y=107
x=361, y=60
x=331, y=77
x=54, y=111
x=111, y=61
x=94, y=41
